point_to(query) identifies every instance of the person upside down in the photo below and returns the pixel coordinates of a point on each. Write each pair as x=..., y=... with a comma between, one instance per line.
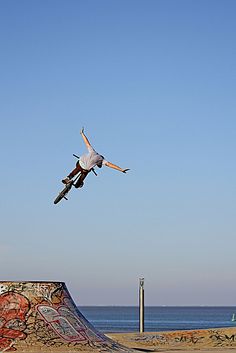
x=87, y=162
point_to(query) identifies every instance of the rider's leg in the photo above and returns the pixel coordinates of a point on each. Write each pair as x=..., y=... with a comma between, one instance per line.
x=74, y=172
x=80, y=181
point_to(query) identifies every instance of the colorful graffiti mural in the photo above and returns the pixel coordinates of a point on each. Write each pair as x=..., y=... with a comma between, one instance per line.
x=43, y=314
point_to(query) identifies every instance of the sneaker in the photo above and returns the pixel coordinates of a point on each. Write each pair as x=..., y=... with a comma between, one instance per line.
x=79, y=185
x=66, y=180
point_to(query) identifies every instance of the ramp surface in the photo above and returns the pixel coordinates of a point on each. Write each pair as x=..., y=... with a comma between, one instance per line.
x=184, y=340
x=42, y=317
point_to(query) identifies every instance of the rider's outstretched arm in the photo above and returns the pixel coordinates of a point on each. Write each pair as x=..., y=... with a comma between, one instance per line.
x=86, y=141
x=113, y=166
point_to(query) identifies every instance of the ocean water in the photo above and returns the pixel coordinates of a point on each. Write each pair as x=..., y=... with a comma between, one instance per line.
x=126, y=318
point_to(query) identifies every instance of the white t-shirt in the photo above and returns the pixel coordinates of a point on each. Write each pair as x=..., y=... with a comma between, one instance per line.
x=91, y=159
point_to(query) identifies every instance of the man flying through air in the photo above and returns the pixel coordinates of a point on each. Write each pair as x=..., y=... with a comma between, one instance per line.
x=87, y=162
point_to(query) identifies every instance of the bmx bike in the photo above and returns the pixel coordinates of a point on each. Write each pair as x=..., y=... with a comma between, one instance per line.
x=67, y=188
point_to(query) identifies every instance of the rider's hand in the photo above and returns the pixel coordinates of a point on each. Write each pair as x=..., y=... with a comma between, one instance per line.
x=125, y=170
x=82, y=130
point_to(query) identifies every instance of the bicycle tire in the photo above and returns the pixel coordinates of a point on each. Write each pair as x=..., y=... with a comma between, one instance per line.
x=63, y=193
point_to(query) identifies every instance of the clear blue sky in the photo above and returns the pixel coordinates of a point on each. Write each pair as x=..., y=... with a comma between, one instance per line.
x=153, y=82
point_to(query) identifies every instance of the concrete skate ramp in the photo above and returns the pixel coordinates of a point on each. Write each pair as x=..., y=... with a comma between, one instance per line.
x=42, y=317
x=184, y=340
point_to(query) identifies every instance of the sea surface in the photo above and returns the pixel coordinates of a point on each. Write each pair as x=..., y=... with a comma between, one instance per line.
x=164, y=318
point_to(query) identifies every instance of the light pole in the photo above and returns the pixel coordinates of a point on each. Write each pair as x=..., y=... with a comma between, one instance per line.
x=141, y=305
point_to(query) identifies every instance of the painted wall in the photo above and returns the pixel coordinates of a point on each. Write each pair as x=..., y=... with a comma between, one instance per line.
x=43, y=314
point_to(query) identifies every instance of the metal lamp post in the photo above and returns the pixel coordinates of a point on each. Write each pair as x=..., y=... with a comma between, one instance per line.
x=141, y=305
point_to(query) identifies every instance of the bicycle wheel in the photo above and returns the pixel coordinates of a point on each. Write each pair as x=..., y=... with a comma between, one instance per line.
x=63, y=193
